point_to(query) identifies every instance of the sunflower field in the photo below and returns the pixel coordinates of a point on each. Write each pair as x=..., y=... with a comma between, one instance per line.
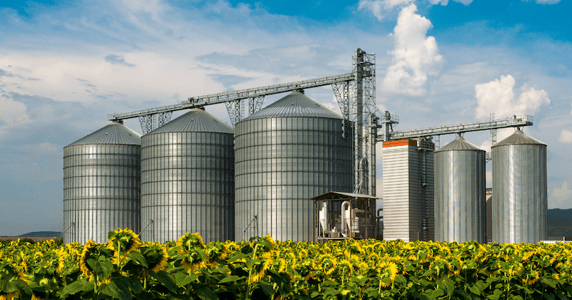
x=127, y=268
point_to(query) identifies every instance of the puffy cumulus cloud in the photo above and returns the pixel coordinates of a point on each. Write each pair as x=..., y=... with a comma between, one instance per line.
x=415, y=56
x=498, y=97
x=380, y=7
x=565, y=137
x=561, y=197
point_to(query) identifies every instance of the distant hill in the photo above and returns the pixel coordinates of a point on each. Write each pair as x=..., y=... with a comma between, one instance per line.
x=42, y=233
x=559, y=222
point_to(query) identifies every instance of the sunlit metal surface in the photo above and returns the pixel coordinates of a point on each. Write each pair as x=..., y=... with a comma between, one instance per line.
x=460, y=189
x=286, y=154
x=408, y=190
x=187, y=180
x=519, y=190
x=101, y=184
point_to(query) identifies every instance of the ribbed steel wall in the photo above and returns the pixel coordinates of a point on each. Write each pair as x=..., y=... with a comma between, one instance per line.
x=520, y=200
x=101, y=184
x=460, y=188
x=286, y=154
x=187, y=181
x=406, y=202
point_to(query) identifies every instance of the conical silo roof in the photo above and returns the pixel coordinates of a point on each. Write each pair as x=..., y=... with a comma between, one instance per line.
x=459, y=144
x=196, y=120
x=295, y=104
x=111, y=134
x=519, y=138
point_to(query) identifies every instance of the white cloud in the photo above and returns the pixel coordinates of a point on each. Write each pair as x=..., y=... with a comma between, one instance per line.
x=565, y=137
x=415, y=56
x=12, y=114
x=561, y=198
x=544, y=1
x=489, y=178
x=498, y=97
x=445, y=2
x=379, y=7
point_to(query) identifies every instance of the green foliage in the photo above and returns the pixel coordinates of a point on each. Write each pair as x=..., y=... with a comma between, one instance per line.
x=264, y=269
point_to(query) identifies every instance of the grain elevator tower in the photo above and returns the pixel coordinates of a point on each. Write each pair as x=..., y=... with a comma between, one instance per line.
x=408, y=190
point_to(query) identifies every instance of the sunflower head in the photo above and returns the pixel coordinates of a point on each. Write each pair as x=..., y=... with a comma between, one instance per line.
x=216, y=250
x=123, y=240
x=346, y=267
x=87, y=253
x=61, y=254
x=156, y=256
x=190, y=241
x=328, y=265
x=387, y=272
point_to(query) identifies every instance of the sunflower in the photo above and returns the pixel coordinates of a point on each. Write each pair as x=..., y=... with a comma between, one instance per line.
x=85, y=255
x=532, y=278
x=123, y=240
x=9, y=296
x=195, y=259
x=156, y=256
x=387, y=270
x=61, y=260
x=260, y=271
x=328, y=265
x=189, y=241
x=346, y=267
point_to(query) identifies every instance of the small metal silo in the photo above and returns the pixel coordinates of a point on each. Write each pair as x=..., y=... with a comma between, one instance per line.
x=460, y=192
x=187, y=179
x=101, y=184
x=287, y=153
x=520, y=201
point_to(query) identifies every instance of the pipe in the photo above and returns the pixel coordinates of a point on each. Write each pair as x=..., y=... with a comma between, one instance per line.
x=344, y=216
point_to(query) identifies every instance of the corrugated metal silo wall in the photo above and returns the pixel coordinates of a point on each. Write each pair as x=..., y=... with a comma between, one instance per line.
x=520, y=200
x=460, y=187
x=407, y=203
x=187, y=185
x=101, y=191
x=281, y=163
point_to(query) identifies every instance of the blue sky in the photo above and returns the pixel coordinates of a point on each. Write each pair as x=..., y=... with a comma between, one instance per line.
x=65, y=65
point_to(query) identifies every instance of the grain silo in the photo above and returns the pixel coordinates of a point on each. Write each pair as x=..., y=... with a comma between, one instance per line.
x=287, y=153
x=408, y=190
x=520, y=201
x=460, y=187
x=187, y=179
x=101, y=184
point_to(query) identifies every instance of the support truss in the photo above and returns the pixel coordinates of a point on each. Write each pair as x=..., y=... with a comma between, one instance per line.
x=342, y=94
x=255, y=104
x=235, y=111
x=154, y=121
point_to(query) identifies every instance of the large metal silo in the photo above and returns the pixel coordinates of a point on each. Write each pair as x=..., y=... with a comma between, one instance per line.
x=187, y=179
x=287, y=153
x=101, y=184
x=460, y=192
x=520, y=201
